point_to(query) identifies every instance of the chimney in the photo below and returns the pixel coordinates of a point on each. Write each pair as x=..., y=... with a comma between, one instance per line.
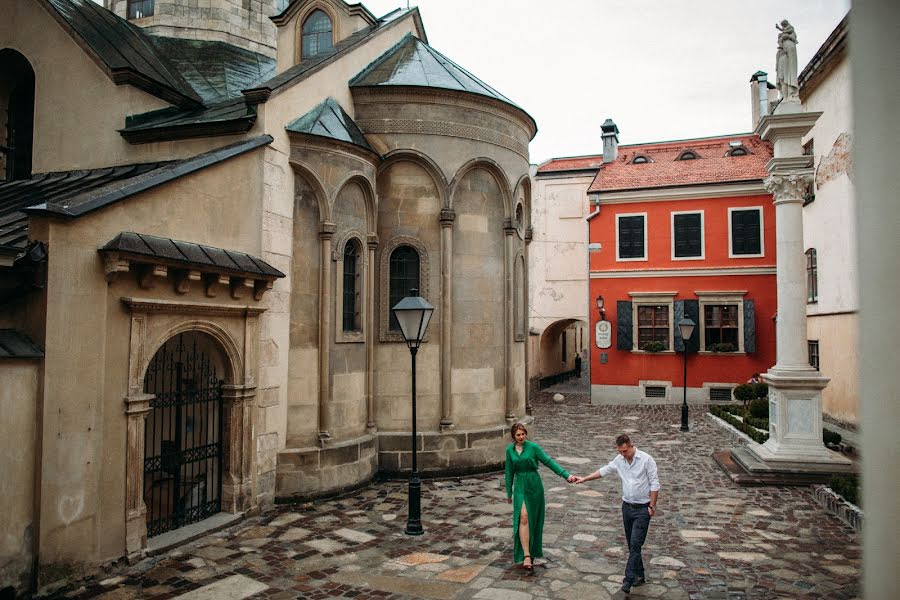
x=610, y=141
x=759, y=97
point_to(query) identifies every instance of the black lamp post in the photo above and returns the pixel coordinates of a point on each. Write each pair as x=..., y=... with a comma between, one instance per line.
x=600, y=308
x=413, y=314
x=686, y=326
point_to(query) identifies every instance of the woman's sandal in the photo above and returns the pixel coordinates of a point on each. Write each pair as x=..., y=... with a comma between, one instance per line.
x=527, y=567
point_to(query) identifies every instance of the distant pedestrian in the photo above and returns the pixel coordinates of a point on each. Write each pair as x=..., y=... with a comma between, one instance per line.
x=755, y=379
x=640, y=491
x=578, y=365
x=526, y=493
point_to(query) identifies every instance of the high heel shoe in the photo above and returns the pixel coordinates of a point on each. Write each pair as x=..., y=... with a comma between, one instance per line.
x=529, y=567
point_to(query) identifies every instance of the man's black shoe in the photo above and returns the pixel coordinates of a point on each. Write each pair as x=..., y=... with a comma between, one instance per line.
x=626, y=587
x=639, y=582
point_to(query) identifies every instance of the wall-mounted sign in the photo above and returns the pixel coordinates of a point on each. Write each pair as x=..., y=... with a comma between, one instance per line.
x=603, y=333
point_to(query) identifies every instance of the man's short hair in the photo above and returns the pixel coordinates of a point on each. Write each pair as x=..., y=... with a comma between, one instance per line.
x=623, y=439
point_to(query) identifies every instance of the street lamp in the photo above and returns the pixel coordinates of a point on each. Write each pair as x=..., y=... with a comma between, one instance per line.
x=413, y=314
x=600, y=308
x=687, y=330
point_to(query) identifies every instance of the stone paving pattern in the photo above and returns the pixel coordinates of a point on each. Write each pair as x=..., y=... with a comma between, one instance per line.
x=711, y=539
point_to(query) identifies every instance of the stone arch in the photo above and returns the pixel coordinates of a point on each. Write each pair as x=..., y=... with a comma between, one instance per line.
x=524, y=184
x=551, y=362
x=234, y=364
x=17, y=107
x=305, y=12
x=495, y=170
x=322, y=199
x=520, y=308
x=368, y=191
x=384, y=266
x=423, y=160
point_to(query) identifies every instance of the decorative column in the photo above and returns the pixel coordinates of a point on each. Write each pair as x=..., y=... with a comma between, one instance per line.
x=326, y=232
x=136, y=408
x=237, y=440
x=509, y=231
x=529, y=234
x=370, y=323
x=448, y=216
x=795, y=387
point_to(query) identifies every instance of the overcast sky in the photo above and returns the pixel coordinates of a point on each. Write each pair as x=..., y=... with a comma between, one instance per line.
x=661, y=69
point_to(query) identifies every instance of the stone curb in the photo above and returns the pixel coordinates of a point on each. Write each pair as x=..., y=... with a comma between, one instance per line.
x=847, y=512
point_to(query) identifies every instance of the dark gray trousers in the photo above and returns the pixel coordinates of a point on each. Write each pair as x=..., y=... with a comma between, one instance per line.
x=636, y=518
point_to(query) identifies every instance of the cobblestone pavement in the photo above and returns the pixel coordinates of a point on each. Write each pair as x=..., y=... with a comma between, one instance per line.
x=710, y=539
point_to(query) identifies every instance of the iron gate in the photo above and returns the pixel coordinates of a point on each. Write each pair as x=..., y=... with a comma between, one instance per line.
x=182, y=436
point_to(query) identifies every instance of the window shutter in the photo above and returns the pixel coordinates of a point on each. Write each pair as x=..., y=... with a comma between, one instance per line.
x=624, y=324
x=631, y=237
x=678, y=312
x=687, y=235
x=749, y=327
x=692, y=312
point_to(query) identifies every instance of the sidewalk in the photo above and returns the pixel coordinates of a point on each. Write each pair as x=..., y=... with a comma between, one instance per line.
x=711, y=539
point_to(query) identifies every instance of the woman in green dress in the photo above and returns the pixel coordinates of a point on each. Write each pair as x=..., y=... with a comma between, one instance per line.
x=526, y=493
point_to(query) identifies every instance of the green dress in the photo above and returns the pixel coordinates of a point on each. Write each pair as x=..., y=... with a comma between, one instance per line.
x=523, y=484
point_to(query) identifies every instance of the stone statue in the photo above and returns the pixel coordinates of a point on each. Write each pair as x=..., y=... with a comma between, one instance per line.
x=786, y=63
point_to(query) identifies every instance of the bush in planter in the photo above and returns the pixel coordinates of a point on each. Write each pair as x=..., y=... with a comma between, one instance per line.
x=759, y=408
x=758, y=423
x=847, y=487
x=745, y=393
x=654, y=347
x=761, y=390
x=723, y=347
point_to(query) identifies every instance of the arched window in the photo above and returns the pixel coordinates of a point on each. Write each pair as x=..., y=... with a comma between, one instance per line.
x=739, y=151
x=687, y=155
x=404, y=276
x=812, y=276
x=351, y=291
x=17, y=112
x=519, y=299
x=640, y=160
x=317, y=35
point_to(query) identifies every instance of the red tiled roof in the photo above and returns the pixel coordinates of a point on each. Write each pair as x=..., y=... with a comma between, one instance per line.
x=713, y=165
x=571, y=163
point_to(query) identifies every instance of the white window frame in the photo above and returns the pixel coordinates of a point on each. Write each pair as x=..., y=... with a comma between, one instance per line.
x=735, y=298
x=652, y=299
x=762, y=233
x=702, y=234
x=646, y=249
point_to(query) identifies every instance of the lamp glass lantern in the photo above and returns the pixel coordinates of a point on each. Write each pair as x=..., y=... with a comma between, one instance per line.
x=413, y=313
x=686, y=328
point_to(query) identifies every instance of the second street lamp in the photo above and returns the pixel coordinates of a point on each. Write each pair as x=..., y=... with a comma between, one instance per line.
x=686, y=327
x=413, y=314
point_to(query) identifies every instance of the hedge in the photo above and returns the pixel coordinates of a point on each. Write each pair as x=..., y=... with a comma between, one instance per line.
x=847, y=487
x=757, y=436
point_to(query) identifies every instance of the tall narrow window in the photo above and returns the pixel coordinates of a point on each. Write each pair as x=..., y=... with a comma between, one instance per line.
x=138, y=9
x=16, y=115
x=812, y=276
x=653, y=325
x=317, y=35
x=813, y=347
x=746, y=232
x=687, y=235
x=720, y=325
x=351, y=304
x=404, y=276
x=630, y=233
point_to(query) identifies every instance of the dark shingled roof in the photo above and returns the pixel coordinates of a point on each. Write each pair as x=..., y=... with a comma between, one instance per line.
x=329, y=120
x=225, y=118
x=124, y=50
x=71, y=194
x=412, y=62
x=189, y=254
x=15, y=344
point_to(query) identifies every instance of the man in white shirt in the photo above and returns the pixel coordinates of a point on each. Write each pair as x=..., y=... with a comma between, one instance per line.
x=640, y=491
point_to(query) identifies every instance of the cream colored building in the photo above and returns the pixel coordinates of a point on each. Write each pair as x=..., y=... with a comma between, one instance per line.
x=204, y=224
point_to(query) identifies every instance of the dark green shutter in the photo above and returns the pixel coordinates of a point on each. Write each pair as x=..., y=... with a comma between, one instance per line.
x=692, y=312
x=678, y=311
x=749, y=327
x=624, y=324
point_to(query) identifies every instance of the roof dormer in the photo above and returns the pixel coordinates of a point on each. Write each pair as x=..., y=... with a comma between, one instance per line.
x=311, y=28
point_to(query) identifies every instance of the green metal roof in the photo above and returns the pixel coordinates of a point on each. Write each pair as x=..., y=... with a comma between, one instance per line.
x=329, y=120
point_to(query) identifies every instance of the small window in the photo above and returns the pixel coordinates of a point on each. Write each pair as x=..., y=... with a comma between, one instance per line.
x=812, y=276
x=746, y=232
x=654, y=391
x=813, y=346
x=653, y=326
x=317, y=35
x=720, y=324
x=138, y=9
x=720, y=394
x=640, y=160
x=631, y=233
x=351, y=304
x=404, y=276
x=739, y=151
x=687, y=235
x=687, y=155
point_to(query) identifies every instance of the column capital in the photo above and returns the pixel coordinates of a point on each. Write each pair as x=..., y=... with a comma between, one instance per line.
x=326, y=230
x=448, y=215
x=529, y=235
x=138, y=404
x=372, y=241
x=790, y=187
x=509, y=226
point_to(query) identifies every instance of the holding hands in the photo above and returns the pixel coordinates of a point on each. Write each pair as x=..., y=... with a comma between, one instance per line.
x=572, y=479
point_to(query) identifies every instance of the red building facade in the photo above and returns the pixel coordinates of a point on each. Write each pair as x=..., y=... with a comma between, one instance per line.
x=680, y=230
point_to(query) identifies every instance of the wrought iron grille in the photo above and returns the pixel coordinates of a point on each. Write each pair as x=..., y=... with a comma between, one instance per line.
x=183, y=437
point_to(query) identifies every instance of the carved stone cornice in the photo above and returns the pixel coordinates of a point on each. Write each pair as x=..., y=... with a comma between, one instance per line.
x=443, y=128
x=191, y=308
x=788, y=188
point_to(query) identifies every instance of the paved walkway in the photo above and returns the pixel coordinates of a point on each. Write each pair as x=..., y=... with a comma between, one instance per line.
x=710, y=539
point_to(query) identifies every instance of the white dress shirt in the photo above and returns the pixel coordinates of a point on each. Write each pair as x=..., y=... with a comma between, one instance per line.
x=638, y=478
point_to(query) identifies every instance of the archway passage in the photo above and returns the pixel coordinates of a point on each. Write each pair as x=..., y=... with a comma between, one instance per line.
x=183, y=446
x=561, y=342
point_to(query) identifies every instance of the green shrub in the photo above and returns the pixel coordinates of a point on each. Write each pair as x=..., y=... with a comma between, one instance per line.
x=761, y=390
x=757, y=436
x=654, y=347
x=745, y=393
x=847, y=487
x=722, y=347
x=758, y=423
x=830, y=437
x=759, y=408
x=733, y=409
